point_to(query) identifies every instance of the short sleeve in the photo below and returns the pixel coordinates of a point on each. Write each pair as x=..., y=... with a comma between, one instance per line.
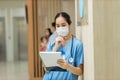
x=79, y=55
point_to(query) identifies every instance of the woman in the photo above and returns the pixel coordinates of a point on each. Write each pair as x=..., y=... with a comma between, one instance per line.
x=48, y=32
x=71, y=49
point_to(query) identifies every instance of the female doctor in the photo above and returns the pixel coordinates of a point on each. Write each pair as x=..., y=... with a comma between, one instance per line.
x=71, y=49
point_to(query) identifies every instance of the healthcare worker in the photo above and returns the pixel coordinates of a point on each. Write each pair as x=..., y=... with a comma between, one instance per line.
x=71, y=49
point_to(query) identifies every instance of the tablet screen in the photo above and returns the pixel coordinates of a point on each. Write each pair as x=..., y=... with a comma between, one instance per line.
x=50, y=58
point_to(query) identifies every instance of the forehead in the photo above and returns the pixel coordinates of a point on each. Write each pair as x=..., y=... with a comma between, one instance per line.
x=60, y=20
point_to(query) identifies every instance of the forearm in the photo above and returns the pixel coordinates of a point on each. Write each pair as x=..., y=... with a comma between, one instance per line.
x=76, y=70
x=54, y=49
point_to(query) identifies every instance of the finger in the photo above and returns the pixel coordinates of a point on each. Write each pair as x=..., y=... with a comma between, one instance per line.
x=61, y=60
x=61, y=64
x=60, y=38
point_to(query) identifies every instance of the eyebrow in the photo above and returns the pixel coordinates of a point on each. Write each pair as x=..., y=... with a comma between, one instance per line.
x=62, y=23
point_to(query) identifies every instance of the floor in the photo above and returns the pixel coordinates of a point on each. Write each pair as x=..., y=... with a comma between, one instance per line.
x=14, y=70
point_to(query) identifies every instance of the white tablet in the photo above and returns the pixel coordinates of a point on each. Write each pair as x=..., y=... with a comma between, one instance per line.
x=50, y=60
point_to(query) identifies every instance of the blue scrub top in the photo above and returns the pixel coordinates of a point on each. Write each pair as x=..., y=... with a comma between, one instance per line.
x=77, y=55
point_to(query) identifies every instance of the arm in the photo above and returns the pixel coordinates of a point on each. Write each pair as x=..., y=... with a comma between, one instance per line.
x=65, y=65
x=75, y=70
x=79, y=61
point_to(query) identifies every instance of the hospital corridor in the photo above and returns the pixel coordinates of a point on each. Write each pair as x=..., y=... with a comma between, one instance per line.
x=59, y=39
x=13, y=41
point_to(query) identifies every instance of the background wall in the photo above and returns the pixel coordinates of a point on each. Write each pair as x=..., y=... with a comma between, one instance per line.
x=106, y=21
x=9, y=25
x=17, y=3
x=69, y=7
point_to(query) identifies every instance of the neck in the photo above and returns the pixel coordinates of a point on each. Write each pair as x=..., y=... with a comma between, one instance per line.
x=68, y=36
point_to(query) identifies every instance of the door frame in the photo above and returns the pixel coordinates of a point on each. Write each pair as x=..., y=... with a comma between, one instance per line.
x=33, y=40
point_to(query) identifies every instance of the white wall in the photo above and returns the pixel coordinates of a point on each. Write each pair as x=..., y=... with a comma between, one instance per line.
x=88, y=41
x=85, y=33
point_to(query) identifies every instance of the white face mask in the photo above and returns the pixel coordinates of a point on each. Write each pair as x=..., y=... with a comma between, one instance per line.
x=62, y=31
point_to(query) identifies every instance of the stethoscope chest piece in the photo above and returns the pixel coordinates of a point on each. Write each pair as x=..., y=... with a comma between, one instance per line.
x=71, y=60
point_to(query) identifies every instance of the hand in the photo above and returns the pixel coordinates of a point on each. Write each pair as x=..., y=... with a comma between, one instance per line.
x=63, y=64
x=58, y=42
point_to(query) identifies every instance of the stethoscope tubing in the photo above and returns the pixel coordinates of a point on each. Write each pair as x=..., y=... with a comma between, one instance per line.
x=71, y=58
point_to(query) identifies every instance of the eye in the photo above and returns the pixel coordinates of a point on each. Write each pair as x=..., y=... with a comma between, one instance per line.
x=57, y=26
x=63, y=25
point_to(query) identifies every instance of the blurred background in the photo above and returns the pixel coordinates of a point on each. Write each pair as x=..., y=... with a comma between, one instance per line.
x=13, y=40
x=23, y=23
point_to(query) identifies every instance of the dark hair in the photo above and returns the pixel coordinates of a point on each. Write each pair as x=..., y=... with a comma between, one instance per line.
x=65, y=15
x=50, y=33
x=43, y=37
x=53, y=24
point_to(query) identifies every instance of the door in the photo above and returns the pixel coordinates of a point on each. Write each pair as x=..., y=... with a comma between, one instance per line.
x=20, y=38
x=2, y=40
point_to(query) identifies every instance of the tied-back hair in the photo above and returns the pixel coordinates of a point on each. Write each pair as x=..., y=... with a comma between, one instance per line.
x=65, y=16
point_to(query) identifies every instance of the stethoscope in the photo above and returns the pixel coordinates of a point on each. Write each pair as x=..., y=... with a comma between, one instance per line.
x=71, y=58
